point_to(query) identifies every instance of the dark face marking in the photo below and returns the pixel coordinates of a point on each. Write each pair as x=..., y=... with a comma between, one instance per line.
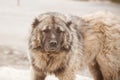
x=53, y=38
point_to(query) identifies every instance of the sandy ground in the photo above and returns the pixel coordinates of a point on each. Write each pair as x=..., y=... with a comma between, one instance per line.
x=15, y=23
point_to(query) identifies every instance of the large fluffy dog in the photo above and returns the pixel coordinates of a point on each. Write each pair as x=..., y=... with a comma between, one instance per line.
x=55, y=47
x=58, y=46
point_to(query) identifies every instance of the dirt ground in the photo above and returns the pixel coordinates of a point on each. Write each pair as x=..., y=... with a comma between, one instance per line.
x=13, y=57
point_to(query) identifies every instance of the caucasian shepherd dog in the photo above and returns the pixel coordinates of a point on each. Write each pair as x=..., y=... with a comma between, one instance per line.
x=55, y=47
x=60, y=46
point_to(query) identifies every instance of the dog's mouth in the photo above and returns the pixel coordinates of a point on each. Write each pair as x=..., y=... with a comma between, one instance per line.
x=52, y=49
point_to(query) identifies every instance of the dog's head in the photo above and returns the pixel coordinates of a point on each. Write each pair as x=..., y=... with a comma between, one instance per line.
x=50, y=33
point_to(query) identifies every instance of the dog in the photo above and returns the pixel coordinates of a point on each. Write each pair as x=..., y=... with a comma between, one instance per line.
x=55, y=47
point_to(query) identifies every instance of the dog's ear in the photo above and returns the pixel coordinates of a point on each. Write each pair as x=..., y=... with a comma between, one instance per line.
x=35, y=41
x=35, y=23
x=67, y=36
x=67, y=41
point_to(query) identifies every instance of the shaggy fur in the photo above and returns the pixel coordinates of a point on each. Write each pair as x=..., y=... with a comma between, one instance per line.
x=92, y=39
x=101, y=37
x=66, y=61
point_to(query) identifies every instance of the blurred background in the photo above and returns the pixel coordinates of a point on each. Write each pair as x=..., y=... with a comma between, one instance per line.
x=16, y=17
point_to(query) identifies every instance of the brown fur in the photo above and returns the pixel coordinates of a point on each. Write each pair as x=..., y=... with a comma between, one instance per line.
x=66, y=61
x=99, y=46
x=101, y=36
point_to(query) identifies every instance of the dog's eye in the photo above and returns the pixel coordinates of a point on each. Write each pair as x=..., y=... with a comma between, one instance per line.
x=59, y=31
x=46, y=30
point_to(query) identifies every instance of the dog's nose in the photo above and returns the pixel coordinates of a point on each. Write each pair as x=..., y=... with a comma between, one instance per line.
x=53, y=43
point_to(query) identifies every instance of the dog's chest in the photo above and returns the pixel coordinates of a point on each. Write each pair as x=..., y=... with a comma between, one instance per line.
x=50, y=63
